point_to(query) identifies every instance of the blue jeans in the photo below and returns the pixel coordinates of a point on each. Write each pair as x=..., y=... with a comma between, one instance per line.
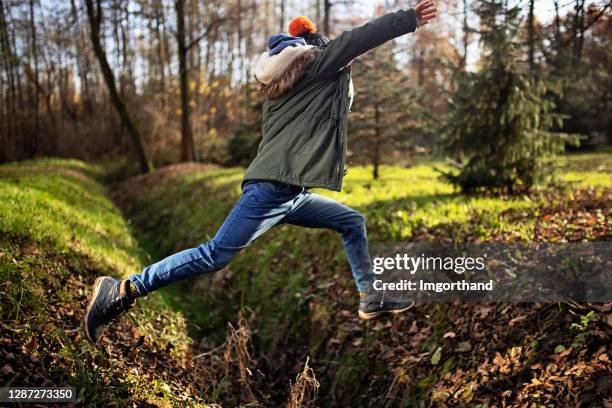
x=262, y=206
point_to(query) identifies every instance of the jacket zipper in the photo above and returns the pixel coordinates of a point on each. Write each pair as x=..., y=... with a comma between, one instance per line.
x=344, y=109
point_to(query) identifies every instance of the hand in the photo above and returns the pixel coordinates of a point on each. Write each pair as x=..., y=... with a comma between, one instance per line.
x=425, y=12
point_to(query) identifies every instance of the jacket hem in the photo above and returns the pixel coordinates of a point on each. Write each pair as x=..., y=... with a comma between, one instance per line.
x=333, y=185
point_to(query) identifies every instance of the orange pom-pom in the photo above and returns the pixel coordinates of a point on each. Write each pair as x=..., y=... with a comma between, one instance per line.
x=300, y=25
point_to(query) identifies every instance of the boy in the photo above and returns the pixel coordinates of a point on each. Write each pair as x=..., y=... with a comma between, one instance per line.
x=307, y=82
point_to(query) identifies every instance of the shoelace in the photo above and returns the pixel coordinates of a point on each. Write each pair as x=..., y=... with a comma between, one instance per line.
x=377, y=302
x=116, y=306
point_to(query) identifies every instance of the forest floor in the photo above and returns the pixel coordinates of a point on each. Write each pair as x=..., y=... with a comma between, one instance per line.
x=58, y=231
x=220, y=339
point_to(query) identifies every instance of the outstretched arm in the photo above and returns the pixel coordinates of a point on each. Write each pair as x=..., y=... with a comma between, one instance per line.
x=351, y=44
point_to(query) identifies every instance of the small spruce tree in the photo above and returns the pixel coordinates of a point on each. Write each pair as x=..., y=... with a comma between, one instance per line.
x=387, y=113
x=500, y=116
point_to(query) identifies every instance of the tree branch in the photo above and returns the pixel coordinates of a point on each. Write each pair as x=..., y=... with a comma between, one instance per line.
x=593, y=21
x=208, y=29
x=598, y=16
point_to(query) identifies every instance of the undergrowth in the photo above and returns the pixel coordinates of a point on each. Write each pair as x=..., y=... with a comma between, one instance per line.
x=58, y=231
x=299, y=287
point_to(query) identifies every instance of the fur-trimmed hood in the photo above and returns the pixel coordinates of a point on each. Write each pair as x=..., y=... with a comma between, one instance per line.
x=277, y=74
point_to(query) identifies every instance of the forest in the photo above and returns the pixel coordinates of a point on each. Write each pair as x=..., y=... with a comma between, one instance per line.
x=126, y=127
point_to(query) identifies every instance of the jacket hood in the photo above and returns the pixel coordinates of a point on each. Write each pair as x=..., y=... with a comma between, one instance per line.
x=316, y=39
x=277, y=74
x=278, y=42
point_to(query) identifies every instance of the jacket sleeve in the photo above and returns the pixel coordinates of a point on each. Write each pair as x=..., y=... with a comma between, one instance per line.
x=351, y=44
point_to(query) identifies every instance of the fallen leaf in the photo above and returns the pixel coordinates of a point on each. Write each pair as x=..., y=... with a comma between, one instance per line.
x=436, y=356
x=463, y=347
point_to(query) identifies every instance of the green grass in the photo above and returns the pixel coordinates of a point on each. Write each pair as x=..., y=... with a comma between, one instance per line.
x=404, y=199
x=587, y=169
x=59, y=203
x=287, y=278
x=58, y=231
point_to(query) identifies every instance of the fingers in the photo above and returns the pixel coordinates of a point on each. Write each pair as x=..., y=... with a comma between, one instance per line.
x=431, y=9
x=424, y=4
x=429, y=16
x=426, y=11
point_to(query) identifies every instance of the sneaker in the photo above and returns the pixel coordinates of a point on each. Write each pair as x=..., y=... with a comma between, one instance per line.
x=110, y=299
x=373, y=304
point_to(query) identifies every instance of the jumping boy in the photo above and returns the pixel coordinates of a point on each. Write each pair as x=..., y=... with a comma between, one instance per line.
x=306, y=80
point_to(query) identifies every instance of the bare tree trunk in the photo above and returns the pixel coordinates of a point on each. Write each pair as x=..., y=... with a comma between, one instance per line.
x=326, y=16
x=13, y=151
x=187, y=145
x=581, y=30
x=578, y=29
x=95, y=20
x=377, y=147
x=35, y=138
x=53, y=143
x=121, y=50
x=128, y=68
x=466, y=34
x=83, y=60
x=241, y=56
x=21, y=151
x=8, y=144
x=283, y=3
x=160, y=50
x=115, y=19
x=557, y=23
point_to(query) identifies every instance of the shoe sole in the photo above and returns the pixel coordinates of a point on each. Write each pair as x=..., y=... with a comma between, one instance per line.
x=372, y=315
x=97, y=284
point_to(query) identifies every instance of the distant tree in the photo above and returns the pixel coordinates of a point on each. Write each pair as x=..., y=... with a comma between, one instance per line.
x=8, y=124
x=95, y=16
x=242, y=146
x=327, y=5
x=586, y=99
x=34, y=63
x=386, y=111
x=501, y=116
x=184, y=46
x=466, y=33
x=187, y=145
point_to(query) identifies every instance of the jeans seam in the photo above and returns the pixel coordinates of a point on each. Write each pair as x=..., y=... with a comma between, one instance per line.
x=233, y=214
x=166, y=272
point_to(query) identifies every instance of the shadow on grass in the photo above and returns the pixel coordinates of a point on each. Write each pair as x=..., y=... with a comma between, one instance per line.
x=413, y=201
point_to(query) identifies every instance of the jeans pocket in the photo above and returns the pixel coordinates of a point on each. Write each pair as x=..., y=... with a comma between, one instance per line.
x=267, y=192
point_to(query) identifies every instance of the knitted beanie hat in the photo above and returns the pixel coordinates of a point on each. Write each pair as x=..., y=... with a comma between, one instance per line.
x=278, y=42
x=302, y=26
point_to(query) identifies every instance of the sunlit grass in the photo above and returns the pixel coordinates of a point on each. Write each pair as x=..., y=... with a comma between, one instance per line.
x=187, y=210
x=587, y=169
x=58, y=204
x=58, y=231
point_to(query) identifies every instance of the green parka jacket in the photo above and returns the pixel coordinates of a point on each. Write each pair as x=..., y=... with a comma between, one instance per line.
x=305, y=117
